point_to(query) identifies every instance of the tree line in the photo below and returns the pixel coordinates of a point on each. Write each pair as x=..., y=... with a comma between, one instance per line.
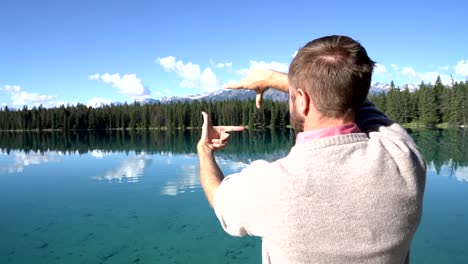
x=175, y=115
x=429, y=105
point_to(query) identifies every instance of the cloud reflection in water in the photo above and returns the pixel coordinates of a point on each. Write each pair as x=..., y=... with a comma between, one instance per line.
x=99, y=154
x=130, y=169
x=22, y=160
x=459, y=173
x=189, y=179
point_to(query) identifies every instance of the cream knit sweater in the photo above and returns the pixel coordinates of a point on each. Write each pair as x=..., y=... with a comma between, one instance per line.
x=354, y=198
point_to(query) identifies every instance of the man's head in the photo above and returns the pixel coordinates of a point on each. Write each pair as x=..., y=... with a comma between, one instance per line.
x=335, y=73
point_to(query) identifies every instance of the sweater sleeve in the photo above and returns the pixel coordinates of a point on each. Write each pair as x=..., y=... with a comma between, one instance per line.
x=241, y=202
x=369, y=118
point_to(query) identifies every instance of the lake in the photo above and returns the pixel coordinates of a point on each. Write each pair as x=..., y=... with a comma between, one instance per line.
x=135, y=197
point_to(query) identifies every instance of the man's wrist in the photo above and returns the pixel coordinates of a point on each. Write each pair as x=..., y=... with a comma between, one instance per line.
x=202, y=149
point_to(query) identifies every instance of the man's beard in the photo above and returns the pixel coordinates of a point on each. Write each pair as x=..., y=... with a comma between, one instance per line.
x=297, y=121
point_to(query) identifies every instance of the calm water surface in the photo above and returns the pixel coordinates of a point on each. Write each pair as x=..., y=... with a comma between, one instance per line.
x=121, y=197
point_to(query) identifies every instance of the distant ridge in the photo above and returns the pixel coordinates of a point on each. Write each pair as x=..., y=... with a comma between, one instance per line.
x=271, y=94
x=226, y=94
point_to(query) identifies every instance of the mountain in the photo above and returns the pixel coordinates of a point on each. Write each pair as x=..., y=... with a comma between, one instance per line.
x=272, y=94
x=379, y=87
x=225, y=94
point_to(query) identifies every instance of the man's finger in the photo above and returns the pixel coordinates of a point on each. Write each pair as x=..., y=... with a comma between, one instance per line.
x=224, y=137
x=219, y=146
x=205, y=125
x=233, y=85
x=259, y=99
x=229, y=128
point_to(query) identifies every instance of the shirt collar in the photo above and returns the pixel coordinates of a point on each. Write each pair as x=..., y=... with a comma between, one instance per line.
x=307, y=136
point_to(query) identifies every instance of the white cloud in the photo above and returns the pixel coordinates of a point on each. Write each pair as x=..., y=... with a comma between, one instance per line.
x=94, y=77
x=273, y=65
x=127, y=84
x=427, y=77
x=462, y=68
x=12, y=88
x=380, y=69
x=191, y=74
x=227, y=65
x=295, y=53
x=443, y=68
x=432, y=77
x=164, y=92
x=409, y=72
x=221, y=65
x=20, y=97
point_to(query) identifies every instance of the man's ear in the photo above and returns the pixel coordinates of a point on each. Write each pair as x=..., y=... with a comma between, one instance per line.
x=302, y=102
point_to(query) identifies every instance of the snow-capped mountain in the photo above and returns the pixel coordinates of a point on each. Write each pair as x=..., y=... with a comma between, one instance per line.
x=379, y=87
x=272, y=94
x=227, y=94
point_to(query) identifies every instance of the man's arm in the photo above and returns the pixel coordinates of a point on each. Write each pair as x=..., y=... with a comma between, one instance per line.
x=211, y=175
x=260, y=80
x=212, y=139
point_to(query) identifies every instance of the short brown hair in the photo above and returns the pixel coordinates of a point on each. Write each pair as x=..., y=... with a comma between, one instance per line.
x=335, y=71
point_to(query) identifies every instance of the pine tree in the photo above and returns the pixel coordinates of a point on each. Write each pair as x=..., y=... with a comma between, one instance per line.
x=427, y=107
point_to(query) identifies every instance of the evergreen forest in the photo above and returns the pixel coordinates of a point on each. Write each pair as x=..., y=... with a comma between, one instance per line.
x=427, y=106
x=175, y=115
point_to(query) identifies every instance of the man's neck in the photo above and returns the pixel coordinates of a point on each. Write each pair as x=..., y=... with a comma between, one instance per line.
x=325, y=122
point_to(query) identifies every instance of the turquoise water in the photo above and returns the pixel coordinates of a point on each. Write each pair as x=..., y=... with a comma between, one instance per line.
x=120, y=197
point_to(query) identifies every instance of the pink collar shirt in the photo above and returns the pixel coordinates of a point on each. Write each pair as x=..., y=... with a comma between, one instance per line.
x=308, y=136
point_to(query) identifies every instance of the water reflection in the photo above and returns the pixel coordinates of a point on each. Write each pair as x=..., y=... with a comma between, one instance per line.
x=444, y=150
x=51, y=218
x=99, y=154
x=21, y=160
x=100, y=143
x=188, y=180
x=130, y=169
x=459, y=173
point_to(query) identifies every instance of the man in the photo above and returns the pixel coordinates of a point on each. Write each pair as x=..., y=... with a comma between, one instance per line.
x=349, y=191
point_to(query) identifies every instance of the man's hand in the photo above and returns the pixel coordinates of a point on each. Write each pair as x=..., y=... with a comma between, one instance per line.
x=214, y=138
x=260, y=80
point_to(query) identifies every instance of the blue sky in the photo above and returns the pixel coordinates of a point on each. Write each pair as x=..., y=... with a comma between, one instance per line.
x=54, y=52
